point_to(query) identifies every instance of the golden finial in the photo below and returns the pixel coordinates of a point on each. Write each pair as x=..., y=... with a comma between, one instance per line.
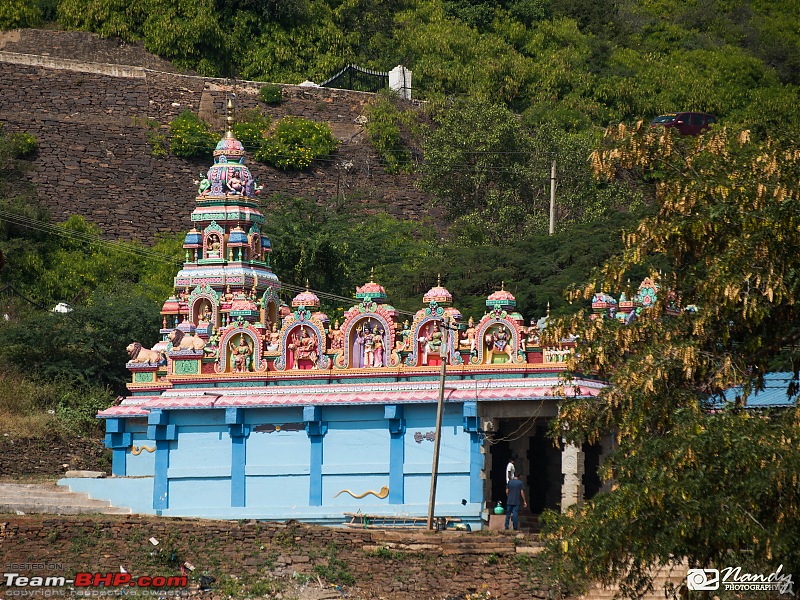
x=438, y=280
x=502, y=286
x=372, y=275
x=229, y=110
x=307, y=288
x=548, y=309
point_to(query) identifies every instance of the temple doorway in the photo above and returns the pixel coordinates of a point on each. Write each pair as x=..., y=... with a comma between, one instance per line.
x=537, y=462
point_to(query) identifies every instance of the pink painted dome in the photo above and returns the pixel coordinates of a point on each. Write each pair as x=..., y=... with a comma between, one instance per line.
x=307, y=299
x=371, y=290
x=438, y=294
x=501, y=298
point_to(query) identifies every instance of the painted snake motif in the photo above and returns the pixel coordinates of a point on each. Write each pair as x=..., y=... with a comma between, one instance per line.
x=136, y=450
x=382, y=494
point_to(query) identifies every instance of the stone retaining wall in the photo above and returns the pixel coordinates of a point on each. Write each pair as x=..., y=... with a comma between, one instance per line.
x=94, y=158
x=383, y=564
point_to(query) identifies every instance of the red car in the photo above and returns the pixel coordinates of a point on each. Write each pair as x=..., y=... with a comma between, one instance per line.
x=687, y=123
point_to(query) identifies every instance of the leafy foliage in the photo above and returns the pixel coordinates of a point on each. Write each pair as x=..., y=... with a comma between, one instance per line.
x=190, y=136
x=336, y=246
x=25, y=13
x=295, y=143
x=252, y=129
x=385, y=127
x=491, y=171
x=712, y=487
x=271, y=94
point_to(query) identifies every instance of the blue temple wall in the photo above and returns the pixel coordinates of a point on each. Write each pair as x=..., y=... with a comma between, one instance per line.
x=296, y=463
x=143, y=464
x=135, y=493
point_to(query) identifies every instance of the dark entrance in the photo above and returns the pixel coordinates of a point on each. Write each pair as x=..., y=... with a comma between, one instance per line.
x=540, y=469
x=544, y=483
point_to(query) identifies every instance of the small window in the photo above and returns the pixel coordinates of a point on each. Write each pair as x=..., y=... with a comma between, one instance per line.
x=698, y=119
x=663, y=119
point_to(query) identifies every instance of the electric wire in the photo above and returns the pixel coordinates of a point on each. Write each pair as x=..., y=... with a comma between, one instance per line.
x=83, y=237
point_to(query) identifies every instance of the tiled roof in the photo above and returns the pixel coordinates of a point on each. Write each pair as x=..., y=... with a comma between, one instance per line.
x=361, y=394
x=773, y=394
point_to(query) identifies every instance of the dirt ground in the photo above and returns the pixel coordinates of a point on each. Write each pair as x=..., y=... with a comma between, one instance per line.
x=51, y=456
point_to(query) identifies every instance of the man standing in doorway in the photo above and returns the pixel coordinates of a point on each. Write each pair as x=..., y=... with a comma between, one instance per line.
x=510, y=470
x=515, y=493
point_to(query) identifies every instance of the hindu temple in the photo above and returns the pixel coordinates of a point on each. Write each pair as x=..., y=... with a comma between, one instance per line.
x=250, y=407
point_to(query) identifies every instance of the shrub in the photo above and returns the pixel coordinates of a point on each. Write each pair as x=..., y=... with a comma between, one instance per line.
x=190, y=136
x=78, y=406
x=295, y=143
x=23, y=145
x=252, y=130
x=384, y=129
x=271, y=94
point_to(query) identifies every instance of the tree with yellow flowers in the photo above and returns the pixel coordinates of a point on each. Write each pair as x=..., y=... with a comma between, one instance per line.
x=690, y=478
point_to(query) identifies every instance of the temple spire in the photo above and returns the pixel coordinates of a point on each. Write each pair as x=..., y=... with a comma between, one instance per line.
x=229, y=119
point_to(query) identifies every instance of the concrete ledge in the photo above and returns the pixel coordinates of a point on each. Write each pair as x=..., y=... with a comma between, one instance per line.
x=85, y=474
x=67, y=64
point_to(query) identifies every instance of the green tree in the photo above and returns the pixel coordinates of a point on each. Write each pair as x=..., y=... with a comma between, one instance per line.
x=717, y=488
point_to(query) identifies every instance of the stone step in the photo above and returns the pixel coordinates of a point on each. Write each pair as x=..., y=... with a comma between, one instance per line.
x=61, y=509
x=51, y=499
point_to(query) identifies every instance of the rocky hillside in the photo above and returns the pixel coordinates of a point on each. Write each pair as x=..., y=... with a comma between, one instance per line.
x=92, y=103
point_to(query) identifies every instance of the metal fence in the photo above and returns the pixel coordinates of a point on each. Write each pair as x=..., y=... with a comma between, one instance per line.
x=353, y=77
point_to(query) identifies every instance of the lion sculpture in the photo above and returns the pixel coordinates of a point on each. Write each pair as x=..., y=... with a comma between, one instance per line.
x=142, y=355
x=184, y=341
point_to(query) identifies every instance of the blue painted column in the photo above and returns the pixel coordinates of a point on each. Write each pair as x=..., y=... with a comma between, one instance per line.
x=119, y=442
x=397, y=429
x=316, y=429
x=239, y=432
x=472, y=426
x=160, y=430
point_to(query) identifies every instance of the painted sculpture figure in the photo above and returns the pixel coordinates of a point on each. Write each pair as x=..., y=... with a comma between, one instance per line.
x=241, y=356
x=138, y=354
x=183, y=341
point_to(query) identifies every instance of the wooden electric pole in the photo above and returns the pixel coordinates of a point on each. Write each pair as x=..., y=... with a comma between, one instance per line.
x=439, y=413
x=553, y=198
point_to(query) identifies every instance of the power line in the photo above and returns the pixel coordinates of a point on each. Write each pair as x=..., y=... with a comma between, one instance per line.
x=82, y=237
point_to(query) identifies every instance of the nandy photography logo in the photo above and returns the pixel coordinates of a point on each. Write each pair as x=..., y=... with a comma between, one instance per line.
x=733, y=579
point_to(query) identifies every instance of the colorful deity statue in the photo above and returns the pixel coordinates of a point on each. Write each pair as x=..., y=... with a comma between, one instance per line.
x=403, y=339
x=241, y=356
x=377, y=342
x=305, y=349
x=369, y=347
x=433, y=342
x=467, y=342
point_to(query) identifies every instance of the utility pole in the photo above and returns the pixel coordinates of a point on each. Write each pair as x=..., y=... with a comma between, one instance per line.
x=439, y=413
x=553, y=198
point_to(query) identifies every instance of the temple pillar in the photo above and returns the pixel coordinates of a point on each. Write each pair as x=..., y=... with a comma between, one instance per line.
x=119, y=442
x=397, y=429
x=476, y=461
x=160, y=430
x=316, y=429
x=572, y=467
x=239, y=432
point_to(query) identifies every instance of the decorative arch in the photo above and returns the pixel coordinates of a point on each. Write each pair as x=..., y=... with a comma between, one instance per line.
x=422, y=325
x=497, y=322
x=231, y=339
x=254, y=240
x=213, y=241
x=270, y=302
x=357, y=317
x=203, y=295
x=293, y=325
